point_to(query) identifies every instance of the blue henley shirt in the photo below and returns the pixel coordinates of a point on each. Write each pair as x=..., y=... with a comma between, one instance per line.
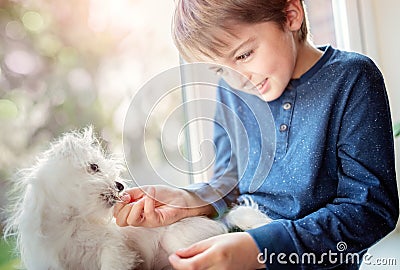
x=322, y=167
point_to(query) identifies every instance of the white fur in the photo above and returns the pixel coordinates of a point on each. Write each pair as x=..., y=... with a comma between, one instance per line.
x=63, y=215
x=247, y=215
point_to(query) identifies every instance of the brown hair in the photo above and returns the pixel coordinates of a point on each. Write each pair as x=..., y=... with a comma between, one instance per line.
x=197, y=24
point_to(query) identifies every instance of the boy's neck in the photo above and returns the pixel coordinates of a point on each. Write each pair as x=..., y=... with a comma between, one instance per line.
x=307, y=56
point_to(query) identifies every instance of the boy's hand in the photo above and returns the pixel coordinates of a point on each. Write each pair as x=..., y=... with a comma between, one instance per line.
x=226, y=251
x=155, y=206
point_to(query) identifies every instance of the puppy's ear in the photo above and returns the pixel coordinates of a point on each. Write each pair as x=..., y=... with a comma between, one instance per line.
x=87, y=133
x=69, y=144
x=90, y=138
x=74, y=144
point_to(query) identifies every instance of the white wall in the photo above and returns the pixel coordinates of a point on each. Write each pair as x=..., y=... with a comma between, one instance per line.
x=388, y=49
x=387, y=35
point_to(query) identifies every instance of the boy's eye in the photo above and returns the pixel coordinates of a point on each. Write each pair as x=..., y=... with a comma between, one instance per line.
x=244, y=56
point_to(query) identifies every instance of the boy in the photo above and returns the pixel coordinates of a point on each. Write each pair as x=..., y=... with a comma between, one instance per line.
x=332, y=187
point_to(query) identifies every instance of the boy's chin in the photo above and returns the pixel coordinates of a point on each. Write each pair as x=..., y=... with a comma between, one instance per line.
x=267, y=97
x=271, y=95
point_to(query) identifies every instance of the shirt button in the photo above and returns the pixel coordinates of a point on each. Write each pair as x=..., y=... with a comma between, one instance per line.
x=283, y=127
x=287, y=105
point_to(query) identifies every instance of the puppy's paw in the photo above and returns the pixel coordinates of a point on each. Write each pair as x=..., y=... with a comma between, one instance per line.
x=246, y=217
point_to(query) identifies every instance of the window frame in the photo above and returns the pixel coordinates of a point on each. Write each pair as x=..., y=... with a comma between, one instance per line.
x=354, y=26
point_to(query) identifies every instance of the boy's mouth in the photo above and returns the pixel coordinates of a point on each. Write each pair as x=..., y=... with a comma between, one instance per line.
x=262, y=86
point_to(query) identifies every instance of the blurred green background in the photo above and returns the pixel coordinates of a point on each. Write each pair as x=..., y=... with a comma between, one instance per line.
x=67, y=64
x=8, y=260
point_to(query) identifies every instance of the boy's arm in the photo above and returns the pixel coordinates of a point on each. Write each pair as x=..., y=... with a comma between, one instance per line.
x=366, y=207
x=220, y=191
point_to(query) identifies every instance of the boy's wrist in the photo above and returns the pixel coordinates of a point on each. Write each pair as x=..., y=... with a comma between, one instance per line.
x=197, y=207
x=254, y=252
x=206, y=210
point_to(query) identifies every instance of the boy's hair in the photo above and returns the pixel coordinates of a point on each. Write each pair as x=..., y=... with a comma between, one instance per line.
x=198, y=24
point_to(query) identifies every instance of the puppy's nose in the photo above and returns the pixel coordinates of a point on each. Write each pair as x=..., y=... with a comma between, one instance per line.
x=119, y=186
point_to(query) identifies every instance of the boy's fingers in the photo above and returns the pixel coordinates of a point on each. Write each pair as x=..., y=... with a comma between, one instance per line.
x=193, y=250
x=117, y=208
x=135, y=194
x=121, y=212
x=126, y=198
x=149, y=205
x=197, y=262
x=135, y=216
x=179, y=263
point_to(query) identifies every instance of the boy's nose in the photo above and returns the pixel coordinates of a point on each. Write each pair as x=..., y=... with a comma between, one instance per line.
x=245, y=79
x=238, y=78
x=245, y=75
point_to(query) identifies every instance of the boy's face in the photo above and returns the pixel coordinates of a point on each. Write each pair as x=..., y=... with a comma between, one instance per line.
x=264, y=54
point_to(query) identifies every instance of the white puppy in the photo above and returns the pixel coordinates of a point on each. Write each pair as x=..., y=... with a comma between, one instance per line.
x=63, y=219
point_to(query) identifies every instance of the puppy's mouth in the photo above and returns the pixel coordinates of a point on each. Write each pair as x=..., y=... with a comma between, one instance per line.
x=111, y=197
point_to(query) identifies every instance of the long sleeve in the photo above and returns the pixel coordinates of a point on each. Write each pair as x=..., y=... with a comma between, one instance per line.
x=244, y=137
x=221, y=190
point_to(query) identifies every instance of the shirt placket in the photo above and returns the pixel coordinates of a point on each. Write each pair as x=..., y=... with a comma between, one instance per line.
x=283, y=122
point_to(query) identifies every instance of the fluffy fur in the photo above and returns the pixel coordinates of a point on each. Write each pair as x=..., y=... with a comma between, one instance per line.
x=62, y=216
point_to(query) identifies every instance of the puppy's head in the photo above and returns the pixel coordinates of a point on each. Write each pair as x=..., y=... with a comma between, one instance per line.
x=76, y=174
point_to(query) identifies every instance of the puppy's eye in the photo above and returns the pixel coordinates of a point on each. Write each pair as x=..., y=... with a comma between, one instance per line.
x=94, y=167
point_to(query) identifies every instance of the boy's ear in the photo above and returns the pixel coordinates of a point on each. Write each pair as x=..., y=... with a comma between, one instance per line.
x=294, y=15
